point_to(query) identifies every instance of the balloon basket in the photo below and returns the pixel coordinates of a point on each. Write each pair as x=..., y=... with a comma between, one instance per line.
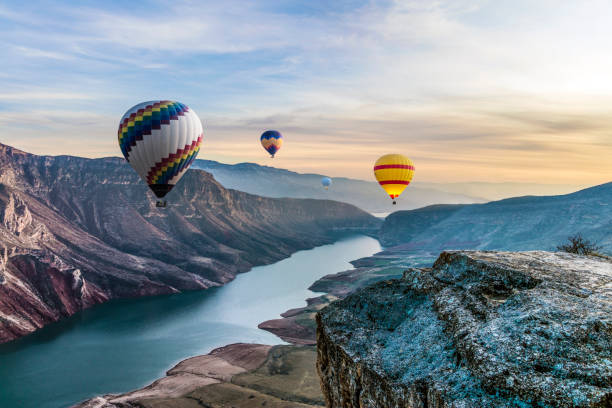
x=394, y=202
x=161, y=204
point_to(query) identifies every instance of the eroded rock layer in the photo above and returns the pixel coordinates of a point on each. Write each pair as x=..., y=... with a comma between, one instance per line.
x=75, y=232
x=479, y=329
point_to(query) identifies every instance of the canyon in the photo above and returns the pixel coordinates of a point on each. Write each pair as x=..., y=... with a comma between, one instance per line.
x=76, y=232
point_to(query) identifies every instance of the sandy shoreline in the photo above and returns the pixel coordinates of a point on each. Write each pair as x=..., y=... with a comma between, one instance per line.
x=237, y=375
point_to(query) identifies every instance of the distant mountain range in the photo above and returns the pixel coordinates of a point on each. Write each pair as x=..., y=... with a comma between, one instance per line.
x=274, y=182
x=498, y=191
x=75, y=232
x=521, y=223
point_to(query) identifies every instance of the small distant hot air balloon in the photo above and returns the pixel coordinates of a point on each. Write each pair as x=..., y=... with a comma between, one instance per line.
x=271, y=140
x=160, y=140
x=326, y=182
x=393, y=172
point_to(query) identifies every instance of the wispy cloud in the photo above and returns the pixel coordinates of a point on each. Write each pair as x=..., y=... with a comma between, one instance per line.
x=41, y=95
x=497, y=90
x=38, y=53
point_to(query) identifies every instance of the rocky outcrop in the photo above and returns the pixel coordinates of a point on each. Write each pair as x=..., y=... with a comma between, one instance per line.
x=75, y=232
x=514, y=224
x=479, y=329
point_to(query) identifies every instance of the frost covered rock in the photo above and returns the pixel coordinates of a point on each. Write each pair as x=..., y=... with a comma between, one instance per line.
x=479, y=329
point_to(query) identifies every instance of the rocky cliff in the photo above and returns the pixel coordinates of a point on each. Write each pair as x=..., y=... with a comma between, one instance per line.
x=479, y=329
x=515, y=224
x=75, y=232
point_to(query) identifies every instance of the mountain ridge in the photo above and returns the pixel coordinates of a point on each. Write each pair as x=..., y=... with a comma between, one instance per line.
x=75, y=232
x=276, y=182
x=517, y=223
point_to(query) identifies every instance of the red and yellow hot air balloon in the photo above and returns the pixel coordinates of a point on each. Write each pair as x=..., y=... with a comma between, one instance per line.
x=393, y=172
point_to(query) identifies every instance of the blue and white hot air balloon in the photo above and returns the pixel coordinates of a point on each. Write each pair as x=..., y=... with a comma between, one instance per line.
x=326, y=182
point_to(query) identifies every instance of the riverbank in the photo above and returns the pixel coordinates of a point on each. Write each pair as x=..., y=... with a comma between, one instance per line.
x=286, y=374
x=133, y=343
x=238, y=375
x=66, y=247
x=298, y=326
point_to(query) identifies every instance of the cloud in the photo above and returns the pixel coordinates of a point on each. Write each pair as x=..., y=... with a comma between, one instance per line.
x=508, y=90
x=42, y=95
x=38, y=53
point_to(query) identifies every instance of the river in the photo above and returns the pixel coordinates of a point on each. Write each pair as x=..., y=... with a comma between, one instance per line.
x=123, y=345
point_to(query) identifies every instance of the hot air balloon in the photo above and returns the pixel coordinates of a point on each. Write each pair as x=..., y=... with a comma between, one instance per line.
x=271, y=140
x=326, y=182
x=393, y=172
x=160, y=140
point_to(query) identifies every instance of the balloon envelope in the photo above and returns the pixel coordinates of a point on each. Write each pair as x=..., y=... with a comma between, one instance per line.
x=271, y=140
x=160, y=140
x=393, y=172
x=326, y=182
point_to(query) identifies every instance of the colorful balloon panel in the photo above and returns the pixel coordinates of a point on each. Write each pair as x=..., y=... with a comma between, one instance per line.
x=394, y=172
x=271, y=140
x=160, y=140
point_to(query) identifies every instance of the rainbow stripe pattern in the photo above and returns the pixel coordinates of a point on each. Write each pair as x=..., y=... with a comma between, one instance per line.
x=143, y=121
x=160, y=140
x=170, y=166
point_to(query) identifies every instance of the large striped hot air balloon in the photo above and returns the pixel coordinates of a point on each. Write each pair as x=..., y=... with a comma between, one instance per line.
x=271, y=140
x=160, y=140
x=393, y=172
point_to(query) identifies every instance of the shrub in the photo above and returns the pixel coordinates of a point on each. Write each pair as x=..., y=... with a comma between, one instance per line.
x=576, y=244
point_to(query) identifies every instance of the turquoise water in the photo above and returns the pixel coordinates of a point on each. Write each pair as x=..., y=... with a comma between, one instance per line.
x=123, y=345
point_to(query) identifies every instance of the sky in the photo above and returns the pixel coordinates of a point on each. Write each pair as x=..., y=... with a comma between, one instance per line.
x=493, y=91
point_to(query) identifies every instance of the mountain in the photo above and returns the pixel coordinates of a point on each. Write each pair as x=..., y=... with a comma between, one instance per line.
x=75, y=232
x=521, y=223
x=273, y=182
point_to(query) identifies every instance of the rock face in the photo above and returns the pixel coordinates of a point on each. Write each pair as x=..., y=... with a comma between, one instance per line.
x=479, y=329
x=75, y=232
x=514, y=224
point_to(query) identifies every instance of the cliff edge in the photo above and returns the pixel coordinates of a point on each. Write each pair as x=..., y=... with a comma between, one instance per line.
x=76, y=232
x=478, y=329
